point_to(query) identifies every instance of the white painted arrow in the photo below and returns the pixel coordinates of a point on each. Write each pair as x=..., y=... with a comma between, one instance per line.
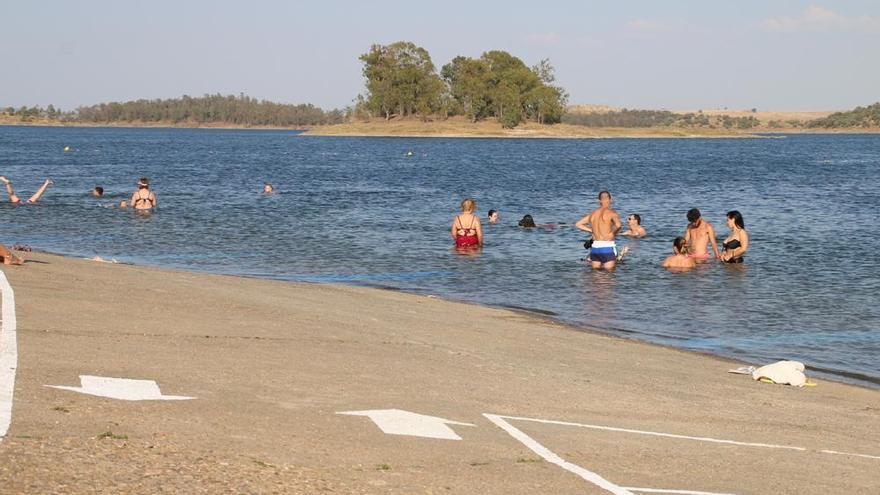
x=120, y=388
x=398, y=422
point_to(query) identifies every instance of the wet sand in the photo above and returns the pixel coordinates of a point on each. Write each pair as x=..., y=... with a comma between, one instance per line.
x=271, y=363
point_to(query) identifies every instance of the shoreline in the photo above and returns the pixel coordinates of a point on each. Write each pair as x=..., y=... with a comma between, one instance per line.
x=843, y=377
x=271, y=364
x=271, y=374
x=477, y=131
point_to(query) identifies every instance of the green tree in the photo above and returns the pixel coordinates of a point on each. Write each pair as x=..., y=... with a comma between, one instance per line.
x=401, y=79
x=468, y=80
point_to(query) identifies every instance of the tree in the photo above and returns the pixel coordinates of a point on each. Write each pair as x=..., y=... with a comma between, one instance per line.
x=401, y=80
x=468, y=81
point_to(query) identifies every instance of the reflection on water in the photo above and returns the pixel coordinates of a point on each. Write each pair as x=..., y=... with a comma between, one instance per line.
x=358, y=211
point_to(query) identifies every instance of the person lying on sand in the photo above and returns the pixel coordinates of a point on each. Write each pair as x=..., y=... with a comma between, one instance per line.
x=8, y=257
x=33, y=199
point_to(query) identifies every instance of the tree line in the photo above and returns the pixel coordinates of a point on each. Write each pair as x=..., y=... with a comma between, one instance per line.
x=208, y=109
x=858, y=117
x=658, y=118
x=402, y=81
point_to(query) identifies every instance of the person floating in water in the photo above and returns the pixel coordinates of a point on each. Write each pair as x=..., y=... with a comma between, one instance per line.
x=699, y=234
x=98, y=192
x=33, y=199
x=527, y=222
x=466, y=228
x=8, y=257
x=679, y=259
x=634, y=222
x=737, y=243
x=493, y=216
x=143, y=199
x=268, y=188
x=603, y=224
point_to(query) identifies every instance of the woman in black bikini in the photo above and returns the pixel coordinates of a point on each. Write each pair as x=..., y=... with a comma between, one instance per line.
x=143, y=198
x=737, y=243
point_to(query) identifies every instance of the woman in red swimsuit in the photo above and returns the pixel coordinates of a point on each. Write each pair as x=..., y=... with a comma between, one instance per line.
x=466, y=229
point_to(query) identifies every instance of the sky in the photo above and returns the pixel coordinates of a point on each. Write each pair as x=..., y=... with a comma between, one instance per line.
x=683, y=55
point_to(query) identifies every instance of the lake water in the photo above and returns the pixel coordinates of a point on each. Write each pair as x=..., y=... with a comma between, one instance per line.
x=360, y=211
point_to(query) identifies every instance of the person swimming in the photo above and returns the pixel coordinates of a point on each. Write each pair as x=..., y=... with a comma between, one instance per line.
x=527, y=222
x=143, y=199
x=14, y=199
x=268, y=188
x=492, y=216
x=634, y=223
x=472, y=235
x=98, y=192
x=679, y=259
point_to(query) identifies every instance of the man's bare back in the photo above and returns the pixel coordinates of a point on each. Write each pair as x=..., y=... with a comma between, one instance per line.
x=603, y=224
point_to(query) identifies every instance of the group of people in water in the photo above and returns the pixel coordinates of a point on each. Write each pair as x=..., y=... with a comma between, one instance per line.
x=604, y=225
x=142, y=200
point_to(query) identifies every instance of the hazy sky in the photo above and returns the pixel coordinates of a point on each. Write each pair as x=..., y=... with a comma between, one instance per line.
x=769, y=54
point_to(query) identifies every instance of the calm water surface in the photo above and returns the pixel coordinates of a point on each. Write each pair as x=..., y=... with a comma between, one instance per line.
x=352, y=210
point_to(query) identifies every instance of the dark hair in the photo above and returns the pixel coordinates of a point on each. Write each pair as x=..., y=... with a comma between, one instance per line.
x=693, y=215
x=680, y=245
x=637, y=217
x=99, y=190
x=491, y=212
x=737, y=218
x=527, y=221
x=604, y=192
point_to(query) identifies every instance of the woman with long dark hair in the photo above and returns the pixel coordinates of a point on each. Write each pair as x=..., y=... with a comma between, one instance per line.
x=737, y=243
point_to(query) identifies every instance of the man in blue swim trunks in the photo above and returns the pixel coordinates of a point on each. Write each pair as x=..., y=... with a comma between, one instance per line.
x=603, y=224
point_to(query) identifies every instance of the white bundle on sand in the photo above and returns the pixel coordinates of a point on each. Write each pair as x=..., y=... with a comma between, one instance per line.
x=783, y=372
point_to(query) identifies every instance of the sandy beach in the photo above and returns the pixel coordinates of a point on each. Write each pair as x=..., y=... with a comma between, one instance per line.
x=270, y=364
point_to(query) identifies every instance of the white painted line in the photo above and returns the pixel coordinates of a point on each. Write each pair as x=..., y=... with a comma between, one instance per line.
x=657, y=434
x=681, y=492
x=120, y=388
x=555, y=459
x=866, y=456
x=8, y=354
x=399, y=422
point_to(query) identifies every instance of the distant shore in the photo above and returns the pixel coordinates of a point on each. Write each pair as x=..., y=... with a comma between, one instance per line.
x=452, y=128
x=460, y=128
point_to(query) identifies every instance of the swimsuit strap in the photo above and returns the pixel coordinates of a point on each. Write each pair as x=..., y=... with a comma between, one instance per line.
x=141, y=198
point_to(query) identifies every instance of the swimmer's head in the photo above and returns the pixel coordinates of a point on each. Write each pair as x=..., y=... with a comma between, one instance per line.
x=735, y=217
x=98, y=191
x=268, y=188
x=493, y=216
x=143, y=183
x=693, y=215
x=123, y=204
x=605, y=198
x=527, y=221
x=679, y=245
x=468, y=205
x=635, y=218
